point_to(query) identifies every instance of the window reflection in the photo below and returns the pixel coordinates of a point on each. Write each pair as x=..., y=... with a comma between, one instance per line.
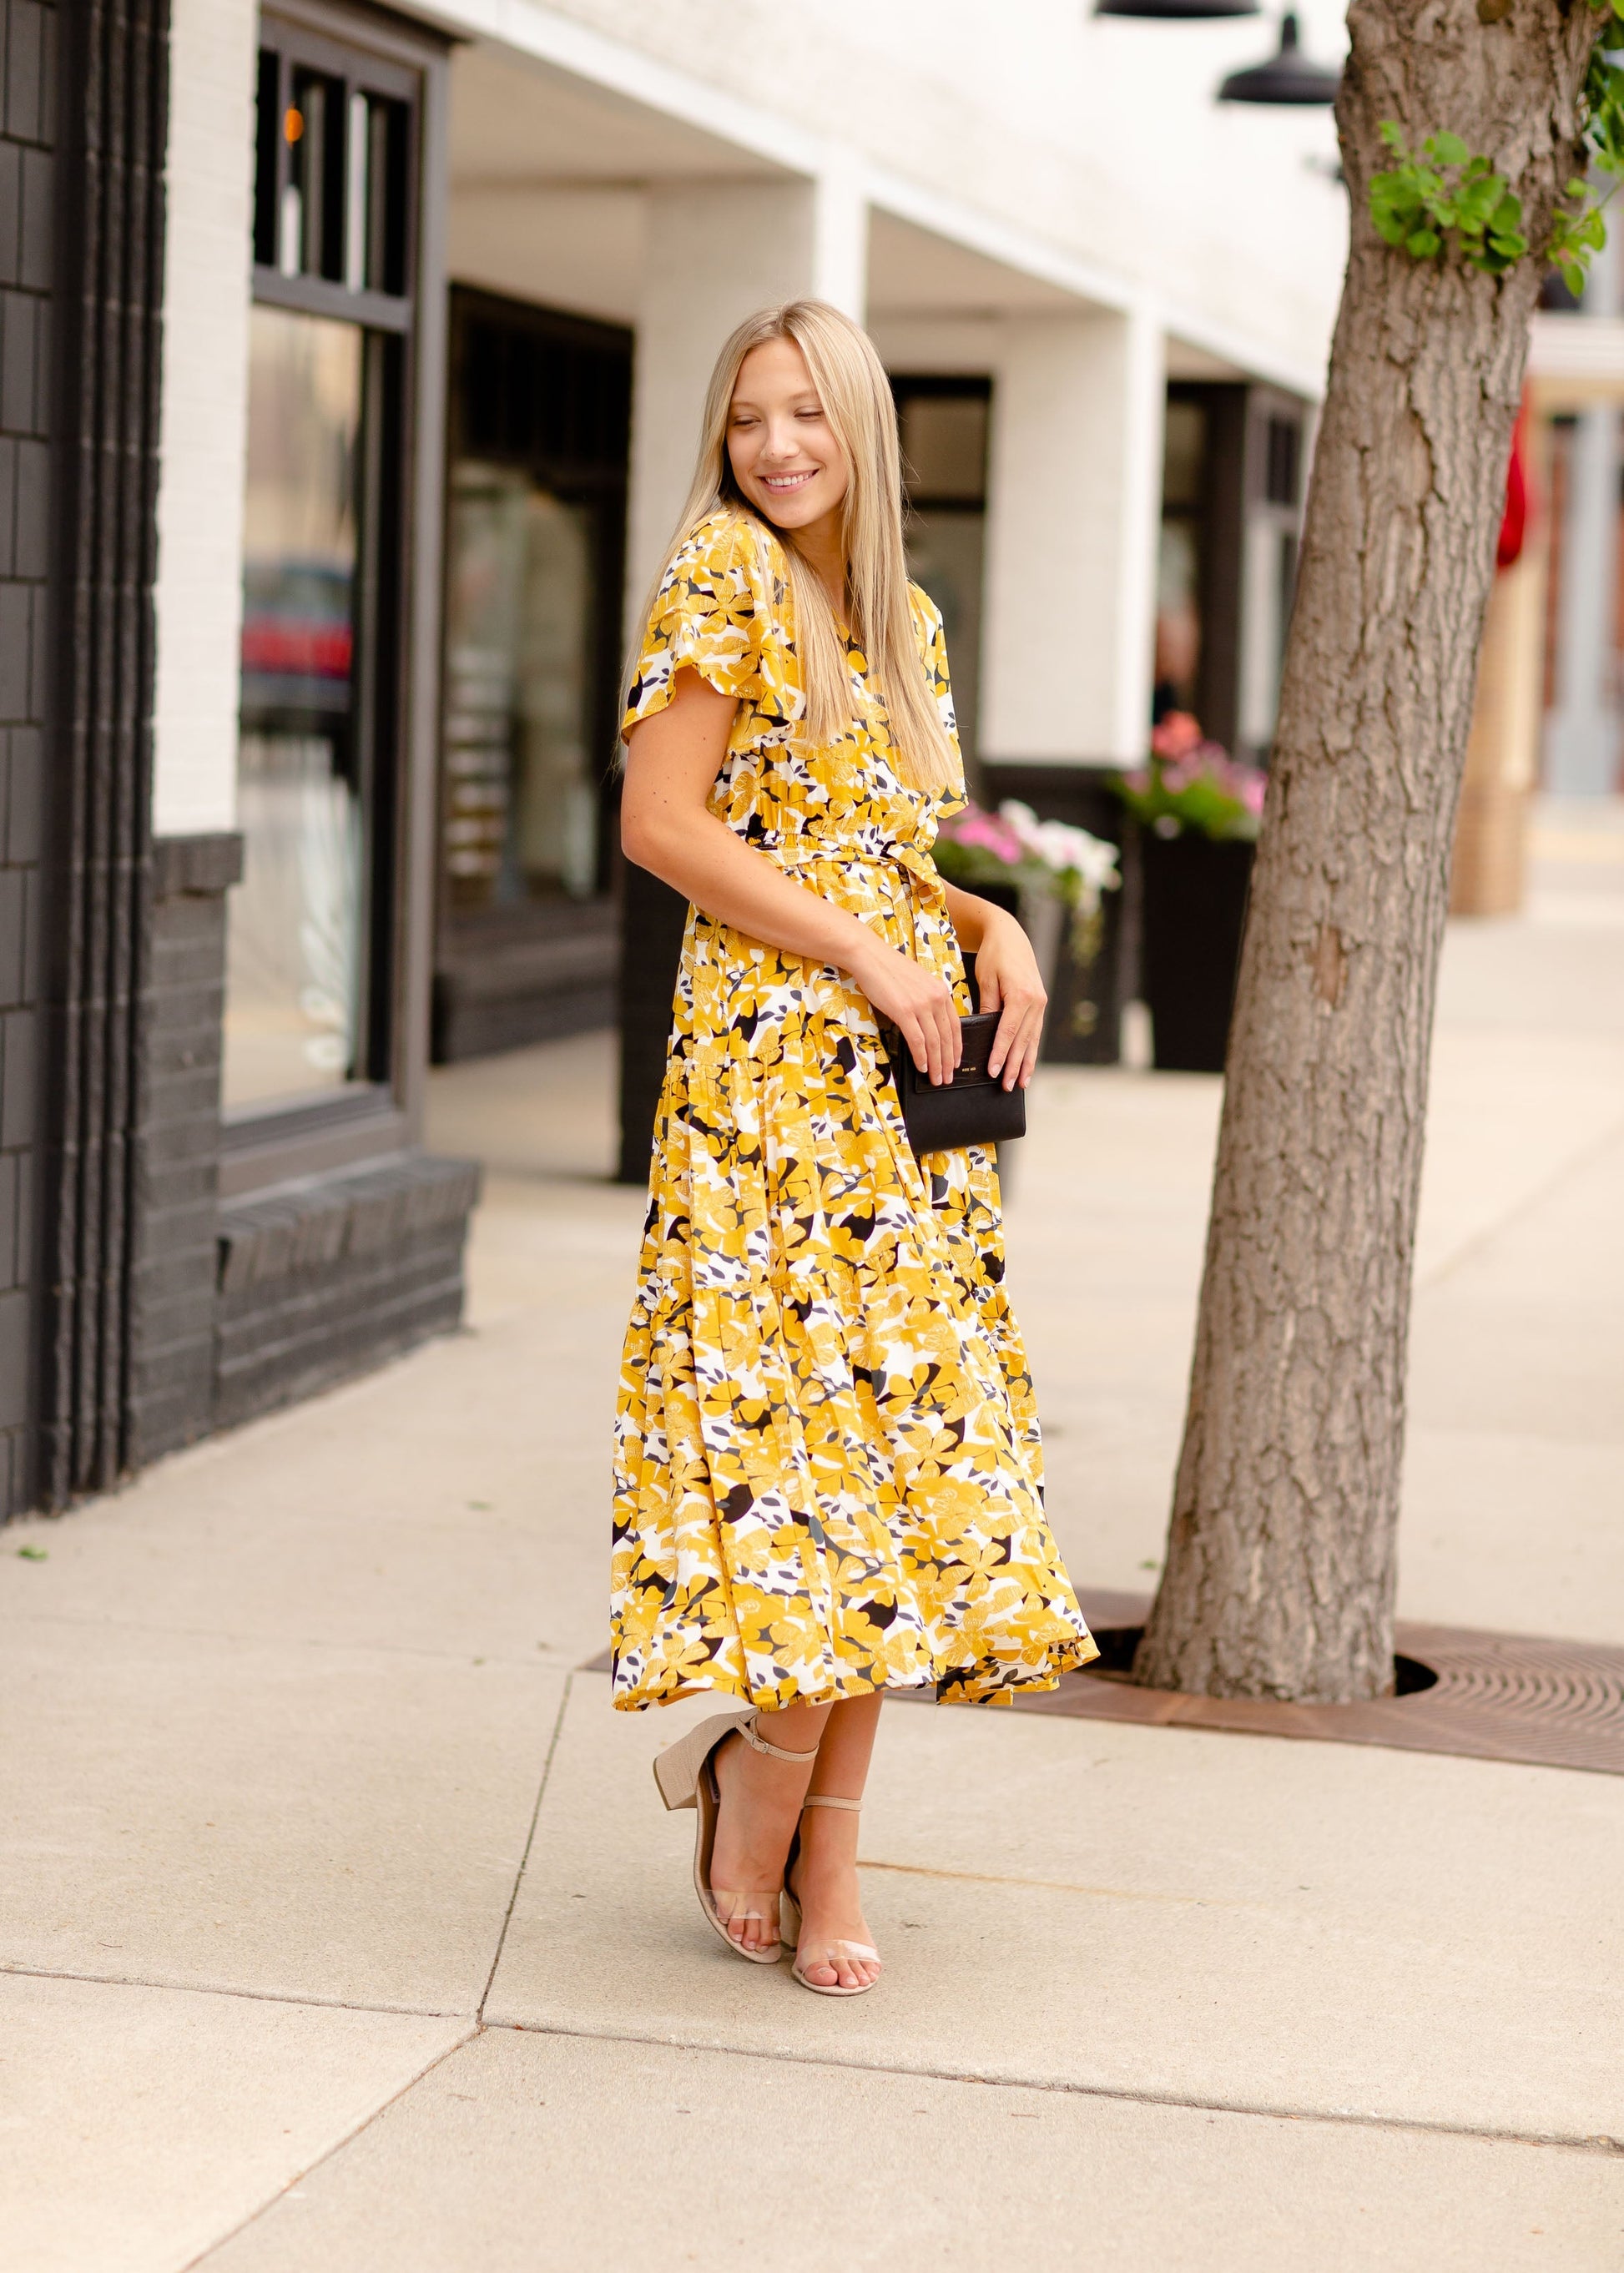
x=521, y=802
x=293, y=977
x=943, y=427
x=1179, y=598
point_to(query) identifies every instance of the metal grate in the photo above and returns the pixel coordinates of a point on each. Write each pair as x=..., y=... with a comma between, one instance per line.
x=1493, y=1697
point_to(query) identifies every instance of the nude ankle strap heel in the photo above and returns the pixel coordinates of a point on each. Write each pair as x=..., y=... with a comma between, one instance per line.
x=789, y=1915
x=686, y=1776
x=750, y=1729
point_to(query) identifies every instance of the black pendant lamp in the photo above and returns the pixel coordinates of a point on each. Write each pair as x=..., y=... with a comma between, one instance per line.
x=1287, y=76
x=1176, y=11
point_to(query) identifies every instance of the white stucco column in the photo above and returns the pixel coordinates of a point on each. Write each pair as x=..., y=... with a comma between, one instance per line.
x=203, y=430
x=715, y=253
x=1072, y=517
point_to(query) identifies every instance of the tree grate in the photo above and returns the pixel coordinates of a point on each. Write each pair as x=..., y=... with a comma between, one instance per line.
x=1487, y=1696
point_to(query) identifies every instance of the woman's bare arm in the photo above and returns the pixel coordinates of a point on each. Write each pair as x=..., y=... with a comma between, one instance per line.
x=673, y=760
x=1007, y=979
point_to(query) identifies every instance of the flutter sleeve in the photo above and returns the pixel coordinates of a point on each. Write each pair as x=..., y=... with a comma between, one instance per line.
x=709, y=617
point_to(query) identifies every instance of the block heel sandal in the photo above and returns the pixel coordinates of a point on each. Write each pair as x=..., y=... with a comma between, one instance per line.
x=686, y=1776
x=789, y=1907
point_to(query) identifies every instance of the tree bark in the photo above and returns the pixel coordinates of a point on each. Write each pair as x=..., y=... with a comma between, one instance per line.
x=1279, y=1576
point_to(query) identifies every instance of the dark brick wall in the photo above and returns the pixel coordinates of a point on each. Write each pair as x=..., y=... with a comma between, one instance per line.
x=176, y=1265
x=239, y=1309
x=27, y=222
x=322, y=1279
x=494, y=994
x=114, y=112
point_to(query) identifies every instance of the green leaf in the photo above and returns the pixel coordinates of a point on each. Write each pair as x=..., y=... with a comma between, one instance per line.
x=1506, y=217
x=1392, y=133
x=34, y=1554
x=1509, y=248
x=1423, y=242
x=1448, y=149
x=1573, y=275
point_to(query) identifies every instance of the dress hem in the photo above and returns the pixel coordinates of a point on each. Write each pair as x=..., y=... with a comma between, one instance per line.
x=1084, y=1651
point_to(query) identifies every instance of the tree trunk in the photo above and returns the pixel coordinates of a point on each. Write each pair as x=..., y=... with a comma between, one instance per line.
x=1278, y=1579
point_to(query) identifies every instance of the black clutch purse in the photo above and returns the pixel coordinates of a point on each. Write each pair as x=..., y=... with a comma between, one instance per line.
x=970, y=1109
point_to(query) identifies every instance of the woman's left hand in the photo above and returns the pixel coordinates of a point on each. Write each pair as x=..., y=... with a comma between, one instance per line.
x=1007, y=977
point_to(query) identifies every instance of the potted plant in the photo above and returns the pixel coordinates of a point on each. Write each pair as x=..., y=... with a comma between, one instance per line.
x=1198, y=811
x=1048, y=873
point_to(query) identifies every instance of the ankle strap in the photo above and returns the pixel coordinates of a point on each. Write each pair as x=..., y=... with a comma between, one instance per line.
x=828, y=1799
x=757, y=1742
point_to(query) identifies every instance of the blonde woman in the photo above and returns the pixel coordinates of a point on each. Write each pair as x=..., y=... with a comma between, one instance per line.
x=827, y=1475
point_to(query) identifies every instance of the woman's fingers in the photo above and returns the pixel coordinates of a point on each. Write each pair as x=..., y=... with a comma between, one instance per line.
x=1015, y=1045
x=920, y=1006
x=1031, y=1042
x=1003, y=1055
x=952, y=1035
x=944, y=1030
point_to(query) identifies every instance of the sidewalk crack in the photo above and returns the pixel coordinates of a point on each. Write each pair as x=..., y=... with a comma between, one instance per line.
x=326, y=2154
x=1337, y=2117
x=529, y=1841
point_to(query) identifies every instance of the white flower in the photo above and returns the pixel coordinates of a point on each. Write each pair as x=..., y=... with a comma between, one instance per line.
x=1082, y=865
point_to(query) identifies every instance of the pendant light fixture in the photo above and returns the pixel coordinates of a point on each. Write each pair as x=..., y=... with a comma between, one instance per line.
x=1287, y=76
x=1176, y=11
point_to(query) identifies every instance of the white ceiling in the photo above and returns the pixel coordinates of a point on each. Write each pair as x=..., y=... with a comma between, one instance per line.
x=914, y=272
x=514, y=120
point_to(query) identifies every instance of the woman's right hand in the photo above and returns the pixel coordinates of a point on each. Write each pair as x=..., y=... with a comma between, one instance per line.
x=918, y=1002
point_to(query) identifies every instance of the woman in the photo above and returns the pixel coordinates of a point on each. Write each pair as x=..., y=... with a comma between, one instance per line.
x=828, y=1473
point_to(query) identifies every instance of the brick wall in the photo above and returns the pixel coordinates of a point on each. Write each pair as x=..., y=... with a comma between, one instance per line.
x=239, y=1309
x=176, y=1266
x=326, y=1278
x=27, y=65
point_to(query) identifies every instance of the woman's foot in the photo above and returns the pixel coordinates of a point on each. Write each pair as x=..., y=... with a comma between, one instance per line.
x=833, y=1929
x=761, y=1806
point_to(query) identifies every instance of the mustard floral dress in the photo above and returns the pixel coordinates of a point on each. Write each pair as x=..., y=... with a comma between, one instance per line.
x=828, y=1473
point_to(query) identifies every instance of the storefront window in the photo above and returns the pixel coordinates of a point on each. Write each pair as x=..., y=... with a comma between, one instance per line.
x=523, y=796
x=310, y=974
x=942, y=424
x=294, y=958
x=1178, y=574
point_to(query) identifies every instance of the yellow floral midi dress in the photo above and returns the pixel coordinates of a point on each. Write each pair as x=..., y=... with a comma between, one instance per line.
x=827, y=1473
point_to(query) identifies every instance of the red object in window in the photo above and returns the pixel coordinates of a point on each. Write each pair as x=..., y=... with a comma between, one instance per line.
x=1513, y=522
x=292, y=647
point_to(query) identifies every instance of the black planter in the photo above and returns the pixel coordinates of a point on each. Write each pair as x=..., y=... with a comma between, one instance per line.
x=1195, y=911
x=1084, y=1026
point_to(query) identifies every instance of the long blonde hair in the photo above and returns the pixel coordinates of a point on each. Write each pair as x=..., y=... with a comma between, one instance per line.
x=856, y=397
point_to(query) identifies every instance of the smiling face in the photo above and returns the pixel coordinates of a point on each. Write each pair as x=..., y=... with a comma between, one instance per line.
x=783, y=452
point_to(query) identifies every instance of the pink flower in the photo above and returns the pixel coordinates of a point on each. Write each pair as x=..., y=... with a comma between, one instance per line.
x=976, y=827
x=1177, y=736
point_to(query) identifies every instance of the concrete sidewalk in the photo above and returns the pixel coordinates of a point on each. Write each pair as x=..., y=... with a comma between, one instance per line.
x=341, y=1930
